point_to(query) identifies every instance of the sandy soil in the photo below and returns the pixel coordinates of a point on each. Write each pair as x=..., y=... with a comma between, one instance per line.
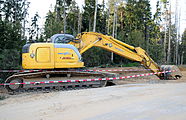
x=145, y=100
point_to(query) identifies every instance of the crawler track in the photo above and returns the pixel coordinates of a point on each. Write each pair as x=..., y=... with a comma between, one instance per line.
x=54, y=75
x=46, y=89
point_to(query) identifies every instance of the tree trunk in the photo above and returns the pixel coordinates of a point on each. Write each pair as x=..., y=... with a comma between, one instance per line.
x=165, y=39
x=64, y=19
x=95, y=15
x=79, y=22
x=108, y=22
x=113, y=30
x=169, y=42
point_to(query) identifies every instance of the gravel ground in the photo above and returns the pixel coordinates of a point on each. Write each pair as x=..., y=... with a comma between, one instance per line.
x=163, y=100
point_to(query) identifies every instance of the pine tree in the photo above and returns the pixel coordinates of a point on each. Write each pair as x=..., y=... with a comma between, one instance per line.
x=183, y=48
x=12, y=17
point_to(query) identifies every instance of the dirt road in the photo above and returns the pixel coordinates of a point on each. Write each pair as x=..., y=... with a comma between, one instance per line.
x=145, y=101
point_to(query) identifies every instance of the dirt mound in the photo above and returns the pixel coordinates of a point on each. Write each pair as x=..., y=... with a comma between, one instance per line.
x=182, y=68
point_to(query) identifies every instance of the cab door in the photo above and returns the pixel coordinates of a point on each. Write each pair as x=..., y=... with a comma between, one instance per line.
x=44, y=56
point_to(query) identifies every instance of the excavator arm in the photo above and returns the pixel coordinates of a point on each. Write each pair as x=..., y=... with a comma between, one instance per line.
x=93, y=39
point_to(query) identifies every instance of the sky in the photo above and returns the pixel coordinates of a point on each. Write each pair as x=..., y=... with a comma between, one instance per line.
x=43, y=6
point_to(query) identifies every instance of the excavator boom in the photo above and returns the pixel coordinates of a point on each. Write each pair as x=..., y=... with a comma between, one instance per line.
x=90, y=39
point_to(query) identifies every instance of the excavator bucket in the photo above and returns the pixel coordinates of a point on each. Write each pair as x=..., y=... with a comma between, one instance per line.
x=174, y=73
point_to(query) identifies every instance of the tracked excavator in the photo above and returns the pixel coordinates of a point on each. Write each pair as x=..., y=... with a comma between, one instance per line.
x=60, y=58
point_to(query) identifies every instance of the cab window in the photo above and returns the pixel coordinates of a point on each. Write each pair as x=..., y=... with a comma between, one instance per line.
x=63, y=39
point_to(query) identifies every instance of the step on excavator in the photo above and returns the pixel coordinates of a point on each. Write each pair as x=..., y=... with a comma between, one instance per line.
x=60, y=58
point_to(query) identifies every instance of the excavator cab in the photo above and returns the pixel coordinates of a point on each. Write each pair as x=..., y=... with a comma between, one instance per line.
x=63, y=38
x=55, y=54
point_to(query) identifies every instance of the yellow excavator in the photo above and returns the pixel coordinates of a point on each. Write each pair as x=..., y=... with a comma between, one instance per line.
x=64, y=51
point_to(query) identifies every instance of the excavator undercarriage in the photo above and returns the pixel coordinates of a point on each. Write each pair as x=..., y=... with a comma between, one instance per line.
x=56, y=75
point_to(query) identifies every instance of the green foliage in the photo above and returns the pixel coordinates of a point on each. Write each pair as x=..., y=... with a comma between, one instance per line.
x=72, y=15
x=11, y=34
x=88, y=17
x=183, y=47
x=131, y=64
x=136, y=38
x=138, y=28
x=91, y=59
x=34, y=28
x=164, y=1
x=10, y=45
x=14, y=10
x=135, y=26
x=156, y=53
x=10, y=59
x=10, y=38
x=55, y=19
x=51, y=25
